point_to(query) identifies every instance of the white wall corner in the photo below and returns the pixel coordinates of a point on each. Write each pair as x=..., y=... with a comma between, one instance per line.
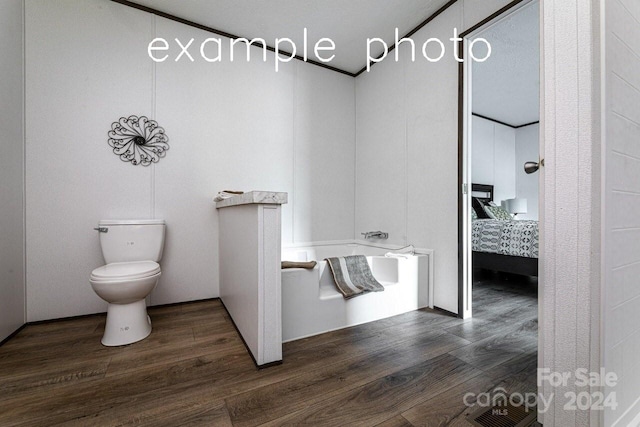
x=12, y=194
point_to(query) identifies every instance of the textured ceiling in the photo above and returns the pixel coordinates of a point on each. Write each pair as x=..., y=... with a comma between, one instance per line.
x=347, y=22
x=506, y=87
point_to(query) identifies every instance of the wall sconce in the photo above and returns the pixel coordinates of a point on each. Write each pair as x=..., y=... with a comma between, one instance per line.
x=532, y=167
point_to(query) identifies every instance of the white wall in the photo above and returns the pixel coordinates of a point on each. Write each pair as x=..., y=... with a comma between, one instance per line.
x=569, y=294
x=12, y=281
x=230, y=126
x=528, y=185
x=493, y=157
x=621, y=314
x=407, y=147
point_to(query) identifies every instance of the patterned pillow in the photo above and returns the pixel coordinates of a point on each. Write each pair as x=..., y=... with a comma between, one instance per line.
x=496, y=212
x=474, y=214
x=478, y=206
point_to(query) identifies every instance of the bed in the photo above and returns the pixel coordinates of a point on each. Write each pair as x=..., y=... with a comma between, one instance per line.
x=510, y=246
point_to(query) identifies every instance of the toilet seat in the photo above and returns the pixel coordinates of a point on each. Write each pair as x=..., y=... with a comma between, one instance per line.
x=122, y=271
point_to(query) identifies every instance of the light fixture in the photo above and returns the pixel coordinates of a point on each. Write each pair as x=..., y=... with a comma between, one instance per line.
x=515, y=206
x=532, y=167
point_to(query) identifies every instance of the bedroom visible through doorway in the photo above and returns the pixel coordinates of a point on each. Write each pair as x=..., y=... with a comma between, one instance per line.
x=499, y=200
x=501, y=133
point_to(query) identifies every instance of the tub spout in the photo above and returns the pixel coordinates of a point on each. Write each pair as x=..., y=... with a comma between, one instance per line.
x=375, y=235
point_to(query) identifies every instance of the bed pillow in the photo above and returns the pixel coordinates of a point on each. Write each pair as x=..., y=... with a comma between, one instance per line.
x=497, y=212
x=478, y=207
x=474, y=214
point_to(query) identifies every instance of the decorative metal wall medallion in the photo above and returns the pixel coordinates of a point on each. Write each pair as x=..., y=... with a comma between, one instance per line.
x=138, y=140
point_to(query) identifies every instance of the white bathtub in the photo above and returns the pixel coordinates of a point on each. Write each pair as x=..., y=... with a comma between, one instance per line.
x=312, y=305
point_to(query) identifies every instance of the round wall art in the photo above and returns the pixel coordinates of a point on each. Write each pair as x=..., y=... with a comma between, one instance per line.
x=138, y=140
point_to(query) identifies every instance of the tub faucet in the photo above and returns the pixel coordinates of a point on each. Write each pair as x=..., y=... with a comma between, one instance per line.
x=375, y=235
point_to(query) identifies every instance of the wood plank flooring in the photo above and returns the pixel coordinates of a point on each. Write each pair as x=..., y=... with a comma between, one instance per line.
x=408, y=370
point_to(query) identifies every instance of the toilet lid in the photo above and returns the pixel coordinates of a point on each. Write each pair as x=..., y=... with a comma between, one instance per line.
x=126, y=270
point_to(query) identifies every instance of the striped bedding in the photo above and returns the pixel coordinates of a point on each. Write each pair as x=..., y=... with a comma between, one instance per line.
x=515, y=238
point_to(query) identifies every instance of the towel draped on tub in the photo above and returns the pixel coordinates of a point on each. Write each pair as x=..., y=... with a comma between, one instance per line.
x=353, y=276
x=298, y=264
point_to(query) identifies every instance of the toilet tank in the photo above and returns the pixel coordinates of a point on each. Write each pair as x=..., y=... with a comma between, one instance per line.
x=132, y=240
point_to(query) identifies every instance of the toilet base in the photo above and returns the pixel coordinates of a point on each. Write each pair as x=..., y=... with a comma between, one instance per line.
x=126, y=324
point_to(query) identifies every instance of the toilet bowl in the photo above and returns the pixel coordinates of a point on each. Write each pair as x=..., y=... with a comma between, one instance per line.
x=125, y=285
x=131, y=249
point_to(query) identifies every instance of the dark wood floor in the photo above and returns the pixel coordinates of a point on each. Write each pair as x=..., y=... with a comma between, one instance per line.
x=409, y=370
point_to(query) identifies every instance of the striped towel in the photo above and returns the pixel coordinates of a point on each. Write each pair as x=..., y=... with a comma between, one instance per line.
x=353, y=276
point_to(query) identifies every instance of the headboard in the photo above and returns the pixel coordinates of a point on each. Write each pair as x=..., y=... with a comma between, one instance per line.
x=482, y=192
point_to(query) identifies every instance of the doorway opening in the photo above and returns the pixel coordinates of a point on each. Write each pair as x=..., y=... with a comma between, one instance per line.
x=498, y=202
x=499, y=149
x=499, y=132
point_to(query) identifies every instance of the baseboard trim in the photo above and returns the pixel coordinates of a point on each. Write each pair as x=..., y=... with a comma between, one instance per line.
x=62, y=319
x=171, y=304
x=11, y=335
x=447, y=312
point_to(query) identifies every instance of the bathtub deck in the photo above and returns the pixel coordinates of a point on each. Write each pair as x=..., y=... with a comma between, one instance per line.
x=411, y=369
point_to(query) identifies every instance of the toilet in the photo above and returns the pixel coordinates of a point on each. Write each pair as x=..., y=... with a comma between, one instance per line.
x=131, y=251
